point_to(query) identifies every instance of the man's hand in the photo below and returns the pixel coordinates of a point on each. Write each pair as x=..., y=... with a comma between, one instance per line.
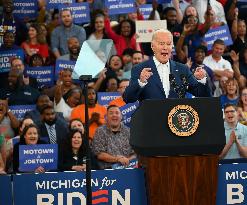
x=232, y=137
x=79, y=168
x=95, y=118
x=40, y=169
x=124, y=161
x=145, y=75
x=199, y=73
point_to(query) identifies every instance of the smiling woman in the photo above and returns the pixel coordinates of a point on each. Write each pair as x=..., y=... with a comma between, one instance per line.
x=29, y=136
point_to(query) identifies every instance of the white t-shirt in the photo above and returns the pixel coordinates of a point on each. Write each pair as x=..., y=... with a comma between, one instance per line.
x=63, y=107
x=222, y=64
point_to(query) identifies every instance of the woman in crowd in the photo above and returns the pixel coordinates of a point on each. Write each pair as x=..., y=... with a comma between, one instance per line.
x=35, y=43
x=242, y=106
x=66, y=103
x=76, y=124
x=73, y=155
x=36, y=60
x=29, y=136
x=232, y=93
x=124, y=37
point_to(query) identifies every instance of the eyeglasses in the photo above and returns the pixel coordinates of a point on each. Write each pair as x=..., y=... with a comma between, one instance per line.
x=230, y=111
x=244, y=94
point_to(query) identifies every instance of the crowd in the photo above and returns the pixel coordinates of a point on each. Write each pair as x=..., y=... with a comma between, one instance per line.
x=59, y=114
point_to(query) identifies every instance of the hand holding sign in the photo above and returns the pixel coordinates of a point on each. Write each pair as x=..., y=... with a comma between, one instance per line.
x=40, y=169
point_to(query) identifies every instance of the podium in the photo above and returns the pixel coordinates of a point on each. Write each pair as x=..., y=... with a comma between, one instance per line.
x=178, y=142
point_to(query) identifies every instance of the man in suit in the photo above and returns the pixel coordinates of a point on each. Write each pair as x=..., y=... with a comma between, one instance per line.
x=160, y=77
x=52, y=129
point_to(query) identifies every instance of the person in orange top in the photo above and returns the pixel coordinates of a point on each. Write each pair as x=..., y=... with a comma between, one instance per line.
x=96, y=112
x=124, y=83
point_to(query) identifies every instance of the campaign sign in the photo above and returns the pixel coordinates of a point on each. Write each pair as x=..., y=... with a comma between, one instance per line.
x=61, y=64
x=146, y=10
x=145, y=29
x=5, y=58
x=20, y=110
x=80, y=12
x=5, y=190
x=127, y=111
x=54, y=4
x=221, y=32
x=104, y=98
x=25, y=8
x=43, y=74
x=120, y=6
x=33, y=156
x=115, y=187
x=133, y=164
x=232, y=186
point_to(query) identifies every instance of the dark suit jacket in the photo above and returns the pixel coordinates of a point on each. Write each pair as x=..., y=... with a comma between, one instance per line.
x=62, y=131
x=154, y=88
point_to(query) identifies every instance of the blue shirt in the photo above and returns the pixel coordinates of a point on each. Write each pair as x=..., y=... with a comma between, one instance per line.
x=241, y=133
x=60, y=36
x=225, y=100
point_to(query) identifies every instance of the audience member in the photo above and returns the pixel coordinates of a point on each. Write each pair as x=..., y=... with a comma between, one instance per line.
x=73, y=154
x=30, y=136
x=236, y=135
x=53, y=130
x=76, y=124
x=111, y=141
x=74, y=50
x=242, y=106
x=96, y=112
x=61, y=34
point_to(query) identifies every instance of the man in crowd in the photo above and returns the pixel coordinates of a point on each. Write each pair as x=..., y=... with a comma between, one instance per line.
x=74, y=49
x=220, y=66
x=66, y=30
x=236, y=135
x=111, y=141
x=52, y=129
x=151, y=79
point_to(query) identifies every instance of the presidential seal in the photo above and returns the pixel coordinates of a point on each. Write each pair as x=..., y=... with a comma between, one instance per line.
x=183, y=120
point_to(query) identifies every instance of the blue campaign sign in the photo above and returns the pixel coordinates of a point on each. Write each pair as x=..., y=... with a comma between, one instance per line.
x=120, y=6
x=232, y=186
x=33, y=156
x=104, y=98
x=5, y=58
x=25, y=8
x=116, y=187
x=146, y=9
x=43, y=74
x=127, y=111
x=54, y=4
x=221, y=32
x=20, y=110
x=61, y=64
x=80, y=12
x=5, y=190
x=133, y=164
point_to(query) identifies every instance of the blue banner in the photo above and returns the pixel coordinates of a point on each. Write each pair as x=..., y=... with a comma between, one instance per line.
x=44, y=75
x=33, y=156
x=133, y=164
x=160, y=1
x=115, y=187
x=146, y=10
x=20, y=110
x=54, y=4
x=127, y=111
x=120, y=6
x=5, y=58
x=232, y=186
x=80, y=12
x=104, y=98
x=221, y=32
x=61, y=64
x=5, y=190
x=25, y=9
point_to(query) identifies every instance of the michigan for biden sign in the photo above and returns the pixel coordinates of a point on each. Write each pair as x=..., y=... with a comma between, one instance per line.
x=115, y=187
x=33, y=156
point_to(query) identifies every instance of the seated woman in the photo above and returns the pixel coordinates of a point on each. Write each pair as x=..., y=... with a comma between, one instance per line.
x=73, y=153
x=30, y=137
